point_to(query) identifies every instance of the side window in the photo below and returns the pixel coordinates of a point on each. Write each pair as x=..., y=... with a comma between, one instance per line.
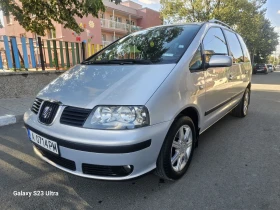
x=214, y=43
x=196, y=62
x=245, y=49
x=235, y=47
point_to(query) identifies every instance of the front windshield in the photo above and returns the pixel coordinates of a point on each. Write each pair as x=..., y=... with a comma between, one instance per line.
x=164, y=44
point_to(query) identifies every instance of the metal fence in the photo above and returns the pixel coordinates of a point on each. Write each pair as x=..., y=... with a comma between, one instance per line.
x=21, y=53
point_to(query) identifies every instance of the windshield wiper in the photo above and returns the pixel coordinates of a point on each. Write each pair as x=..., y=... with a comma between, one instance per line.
x=94, y=62
x=132, y=61
x=117, y=61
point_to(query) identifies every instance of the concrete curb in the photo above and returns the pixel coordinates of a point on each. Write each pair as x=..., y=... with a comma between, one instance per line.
x=10, y=119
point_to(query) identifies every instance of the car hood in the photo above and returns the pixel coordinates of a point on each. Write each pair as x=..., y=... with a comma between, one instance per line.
x=86, y=86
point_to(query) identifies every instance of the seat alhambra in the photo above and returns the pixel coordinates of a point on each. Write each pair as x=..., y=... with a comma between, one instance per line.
x=140, y=104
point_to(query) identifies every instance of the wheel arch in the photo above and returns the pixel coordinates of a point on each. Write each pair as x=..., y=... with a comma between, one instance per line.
x=193, y=113
x=249, y=85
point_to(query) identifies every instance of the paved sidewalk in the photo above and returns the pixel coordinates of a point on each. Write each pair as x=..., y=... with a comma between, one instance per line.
x=12, y=109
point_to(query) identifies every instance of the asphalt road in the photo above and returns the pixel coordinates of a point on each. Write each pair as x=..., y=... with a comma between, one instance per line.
x=236, y=166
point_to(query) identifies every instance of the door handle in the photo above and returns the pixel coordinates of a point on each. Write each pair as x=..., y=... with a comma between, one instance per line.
x=230, y=77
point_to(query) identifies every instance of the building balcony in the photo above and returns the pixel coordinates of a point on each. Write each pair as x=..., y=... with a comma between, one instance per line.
x=106, y=43
x=114, y=25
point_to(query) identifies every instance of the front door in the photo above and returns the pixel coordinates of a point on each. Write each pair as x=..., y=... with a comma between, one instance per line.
x=217, y=84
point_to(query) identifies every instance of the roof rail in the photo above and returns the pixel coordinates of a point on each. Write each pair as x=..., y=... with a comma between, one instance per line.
x=221, y=23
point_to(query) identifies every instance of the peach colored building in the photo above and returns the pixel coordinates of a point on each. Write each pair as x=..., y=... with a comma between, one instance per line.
x=2, y=32
x=115, y=22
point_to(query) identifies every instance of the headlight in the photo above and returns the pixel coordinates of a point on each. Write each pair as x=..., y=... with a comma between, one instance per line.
x=118, y=117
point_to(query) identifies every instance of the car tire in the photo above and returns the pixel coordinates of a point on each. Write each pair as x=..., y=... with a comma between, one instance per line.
x=177, y=147
x=241, y=110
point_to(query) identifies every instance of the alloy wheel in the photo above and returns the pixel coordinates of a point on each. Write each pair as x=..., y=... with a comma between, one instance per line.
x=181, y=148
x=246, y=102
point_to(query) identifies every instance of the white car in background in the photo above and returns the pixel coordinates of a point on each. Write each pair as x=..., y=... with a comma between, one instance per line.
x=270, y=67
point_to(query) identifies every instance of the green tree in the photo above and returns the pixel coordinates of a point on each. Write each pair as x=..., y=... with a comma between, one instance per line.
x=271, y=59
x=229, y=11
x=245, y=16
x=39, y=16
x=266, y=43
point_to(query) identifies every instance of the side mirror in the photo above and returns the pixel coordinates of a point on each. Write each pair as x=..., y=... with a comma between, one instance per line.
x=220, y=61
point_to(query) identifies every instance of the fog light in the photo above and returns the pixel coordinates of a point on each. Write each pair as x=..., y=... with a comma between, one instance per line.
x=128, y=168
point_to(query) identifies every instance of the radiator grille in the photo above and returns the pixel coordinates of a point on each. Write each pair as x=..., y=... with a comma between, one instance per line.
x=36, y=105
x=74, y=116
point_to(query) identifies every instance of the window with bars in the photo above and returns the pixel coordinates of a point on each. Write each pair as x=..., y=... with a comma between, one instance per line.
x=130, y=22
x=51, y=34
x=9, y=19
x=117, y=19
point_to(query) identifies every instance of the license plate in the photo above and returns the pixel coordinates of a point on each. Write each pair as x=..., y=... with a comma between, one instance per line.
x=43, y=142
x=260, y=70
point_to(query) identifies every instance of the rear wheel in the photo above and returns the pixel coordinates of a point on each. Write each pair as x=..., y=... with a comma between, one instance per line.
x=242, y=108
x=177, y=150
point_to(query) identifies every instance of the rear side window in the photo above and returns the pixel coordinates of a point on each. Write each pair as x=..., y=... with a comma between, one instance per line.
x=245, y=49
x=214, y=43
x=235, y=47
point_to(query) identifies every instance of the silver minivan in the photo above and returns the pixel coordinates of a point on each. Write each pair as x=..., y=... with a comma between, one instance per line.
x=140, y=104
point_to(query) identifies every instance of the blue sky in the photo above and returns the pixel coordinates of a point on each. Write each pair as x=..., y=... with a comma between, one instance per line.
x=273, y=14
x=153, y=4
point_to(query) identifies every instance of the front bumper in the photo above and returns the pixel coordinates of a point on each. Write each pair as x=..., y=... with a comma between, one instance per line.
x=138, y=148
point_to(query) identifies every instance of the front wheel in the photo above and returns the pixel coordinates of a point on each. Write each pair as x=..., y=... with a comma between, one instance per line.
x=177, y=150
x=242, y=108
